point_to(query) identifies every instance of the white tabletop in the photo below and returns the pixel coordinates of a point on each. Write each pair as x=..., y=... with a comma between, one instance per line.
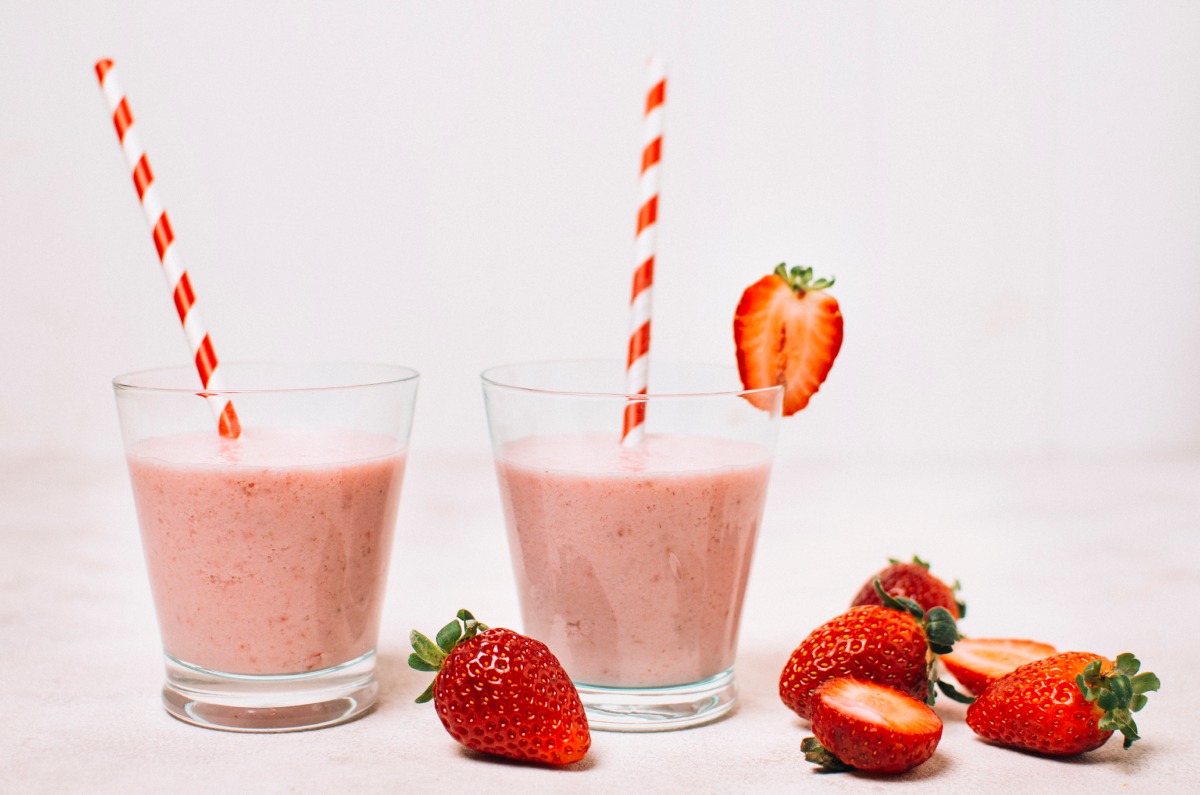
x=1096, y=554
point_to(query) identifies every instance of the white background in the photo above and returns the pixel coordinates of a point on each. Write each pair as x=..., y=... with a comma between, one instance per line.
x=1007, y=192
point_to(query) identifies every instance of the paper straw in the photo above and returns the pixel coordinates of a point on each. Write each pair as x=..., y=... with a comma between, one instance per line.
x=637, y=367
x=198, y=339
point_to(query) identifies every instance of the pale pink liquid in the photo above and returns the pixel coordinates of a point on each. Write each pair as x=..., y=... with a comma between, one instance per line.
x=267, y=554
x=632, y=564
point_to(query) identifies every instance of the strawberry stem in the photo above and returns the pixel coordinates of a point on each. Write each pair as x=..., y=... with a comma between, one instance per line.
x=801, y=279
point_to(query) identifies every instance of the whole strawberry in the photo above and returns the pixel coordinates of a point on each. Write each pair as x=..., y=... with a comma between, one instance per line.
x=892, y=645
x=870, y=727
x=499, y=692
x=913, y=580
x=1064, y=704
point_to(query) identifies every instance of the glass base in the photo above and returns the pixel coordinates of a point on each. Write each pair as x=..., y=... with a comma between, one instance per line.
x=277, y=703
x=653, y=709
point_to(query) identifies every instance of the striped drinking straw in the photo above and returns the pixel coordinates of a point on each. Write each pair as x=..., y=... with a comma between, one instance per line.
x=168, y=254
x=637, y=363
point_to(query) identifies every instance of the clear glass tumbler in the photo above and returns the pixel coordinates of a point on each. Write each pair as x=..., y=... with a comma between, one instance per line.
x=632, y=560
x=268, y=554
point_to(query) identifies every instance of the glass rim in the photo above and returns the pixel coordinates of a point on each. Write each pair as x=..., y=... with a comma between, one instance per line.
x=489, y=379
x=399, y=374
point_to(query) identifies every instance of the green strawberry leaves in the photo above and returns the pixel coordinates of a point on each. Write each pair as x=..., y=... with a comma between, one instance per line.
x=953, y=693
x=801, y=279
x=941, y=631
x=1120, y=693
x=940, y=628
x=429, y=655
x=820, y=755
x=901, y=603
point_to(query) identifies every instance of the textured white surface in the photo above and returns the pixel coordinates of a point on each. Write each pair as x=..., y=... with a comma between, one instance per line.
x=1095, y=554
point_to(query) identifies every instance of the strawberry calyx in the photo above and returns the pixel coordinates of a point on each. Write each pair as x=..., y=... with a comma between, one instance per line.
x=941, y=631
x=956, y=586
x=1119, y=691
x=820, y=755
x=953, y=693
x=800, y=279
x=430, y=655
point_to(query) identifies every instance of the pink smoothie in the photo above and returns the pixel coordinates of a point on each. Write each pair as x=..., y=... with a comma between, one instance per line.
x=267, y=554
x=632, y=565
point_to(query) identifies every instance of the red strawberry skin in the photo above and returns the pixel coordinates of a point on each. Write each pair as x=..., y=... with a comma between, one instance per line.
x=784, y=336
x=872, y=727
x=977, y=662
x=913, y=581
x=1039, y=707
x=503, y=693
x=868, y=642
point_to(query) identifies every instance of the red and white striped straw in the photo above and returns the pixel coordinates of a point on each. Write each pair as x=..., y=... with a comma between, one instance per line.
x=637, y=368
x=164, y=242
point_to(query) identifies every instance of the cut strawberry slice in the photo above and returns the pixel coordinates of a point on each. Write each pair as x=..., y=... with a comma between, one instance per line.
x=977, y=662
x=868, y=726
x=788, y=331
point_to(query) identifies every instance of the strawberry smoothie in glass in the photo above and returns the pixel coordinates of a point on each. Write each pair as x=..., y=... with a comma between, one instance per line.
x=632, y=560
x=267, y=554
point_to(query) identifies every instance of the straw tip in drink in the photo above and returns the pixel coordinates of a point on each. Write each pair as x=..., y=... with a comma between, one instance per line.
x=102, y=67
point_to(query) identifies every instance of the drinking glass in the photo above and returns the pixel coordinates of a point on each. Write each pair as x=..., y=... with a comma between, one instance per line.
x=267, y=554
x=631, y=560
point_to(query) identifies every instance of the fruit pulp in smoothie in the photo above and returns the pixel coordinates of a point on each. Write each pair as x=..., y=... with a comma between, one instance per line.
x=632, y=563
x=267, y=554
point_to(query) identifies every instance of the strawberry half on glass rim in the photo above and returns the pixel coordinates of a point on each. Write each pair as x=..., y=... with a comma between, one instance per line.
x=787, y=330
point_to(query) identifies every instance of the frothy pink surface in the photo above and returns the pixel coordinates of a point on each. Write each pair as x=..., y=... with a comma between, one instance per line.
x=632, y=564
x=267, y=554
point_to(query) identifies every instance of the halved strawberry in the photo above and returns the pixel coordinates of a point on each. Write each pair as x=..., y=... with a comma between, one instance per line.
x=869, y=726
x=788, y=331
x=977, y=662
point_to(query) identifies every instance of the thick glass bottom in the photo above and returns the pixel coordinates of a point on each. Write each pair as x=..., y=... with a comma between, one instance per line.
x=276, y=703
x=652, y=709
